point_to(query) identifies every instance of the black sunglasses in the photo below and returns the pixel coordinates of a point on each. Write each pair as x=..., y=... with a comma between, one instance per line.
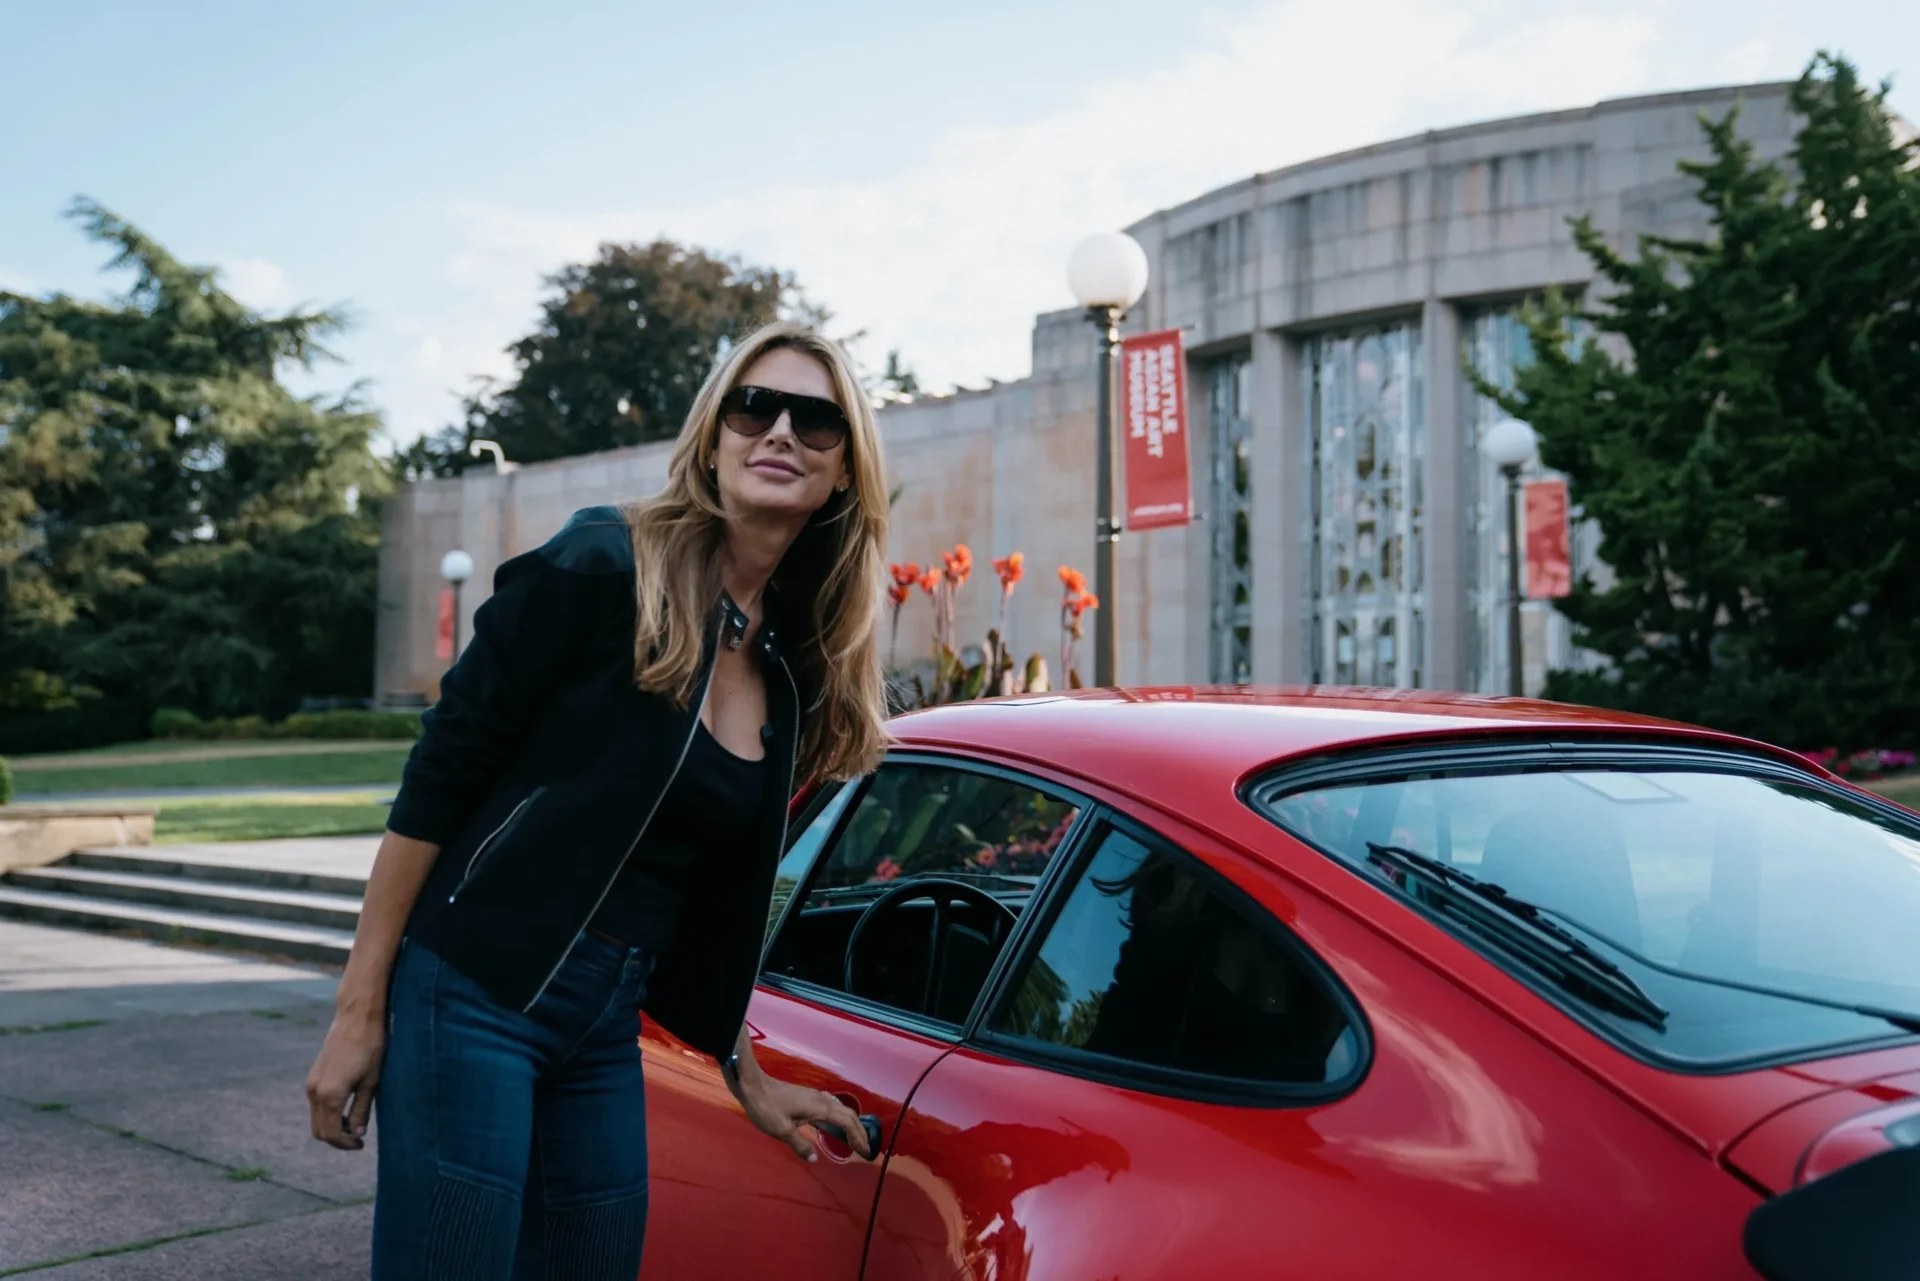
x=818, y=423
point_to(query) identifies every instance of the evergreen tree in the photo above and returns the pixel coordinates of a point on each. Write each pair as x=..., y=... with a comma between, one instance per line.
x=1746, y=434
x=176, y=527
x=897, y=382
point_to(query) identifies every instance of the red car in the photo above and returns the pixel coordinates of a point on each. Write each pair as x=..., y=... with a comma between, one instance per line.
x=1322, y=984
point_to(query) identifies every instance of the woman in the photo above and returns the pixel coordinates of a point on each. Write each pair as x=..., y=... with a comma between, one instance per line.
x=589, y=827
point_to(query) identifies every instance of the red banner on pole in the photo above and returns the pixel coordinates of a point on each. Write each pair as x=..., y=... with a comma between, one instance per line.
x=1153, y=419
x=1549, y=564
x=443, y=643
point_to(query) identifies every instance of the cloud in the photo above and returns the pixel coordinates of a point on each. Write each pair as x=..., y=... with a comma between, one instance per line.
x=949, y=255
x=257, y=282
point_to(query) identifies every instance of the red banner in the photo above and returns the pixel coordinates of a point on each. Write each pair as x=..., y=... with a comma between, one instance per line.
x=1549, y=564
x=1153, y=419
x=443, y=643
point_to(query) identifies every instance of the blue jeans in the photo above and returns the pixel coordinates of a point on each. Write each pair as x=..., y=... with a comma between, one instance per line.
x=513, y=1146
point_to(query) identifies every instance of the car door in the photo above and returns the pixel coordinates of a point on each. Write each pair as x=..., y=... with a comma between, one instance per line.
x=1100, y=1121
x=727, y=1201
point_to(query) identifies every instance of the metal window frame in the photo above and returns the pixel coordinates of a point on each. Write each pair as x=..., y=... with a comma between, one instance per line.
x=1177, y=1083
x=1077, y=848
x=892, y=1016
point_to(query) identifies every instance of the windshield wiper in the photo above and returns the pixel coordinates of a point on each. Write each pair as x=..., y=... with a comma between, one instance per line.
x=1899, y=1018
x=1522, y=929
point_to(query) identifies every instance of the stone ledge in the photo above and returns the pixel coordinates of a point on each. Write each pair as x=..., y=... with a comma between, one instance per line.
x=35, y=835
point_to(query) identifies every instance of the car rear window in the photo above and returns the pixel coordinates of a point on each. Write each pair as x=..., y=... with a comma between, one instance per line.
x=1720, y=893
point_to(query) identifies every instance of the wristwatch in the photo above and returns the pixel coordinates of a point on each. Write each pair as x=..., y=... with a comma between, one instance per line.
x=730, y=1067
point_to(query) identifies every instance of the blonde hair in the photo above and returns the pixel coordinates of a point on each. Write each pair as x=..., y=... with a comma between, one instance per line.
x=828, y=584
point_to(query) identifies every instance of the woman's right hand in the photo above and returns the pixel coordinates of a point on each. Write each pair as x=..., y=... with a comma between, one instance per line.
x=341, y=1085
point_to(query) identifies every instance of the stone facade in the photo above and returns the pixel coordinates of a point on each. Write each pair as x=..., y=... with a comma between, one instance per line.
x=1352, y=531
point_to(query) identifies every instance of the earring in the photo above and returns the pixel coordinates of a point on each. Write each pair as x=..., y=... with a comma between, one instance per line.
x=841, y=488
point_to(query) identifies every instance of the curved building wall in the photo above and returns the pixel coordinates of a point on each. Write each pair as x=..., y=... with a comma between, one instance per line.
x=1347, y=294
x=1352, y=531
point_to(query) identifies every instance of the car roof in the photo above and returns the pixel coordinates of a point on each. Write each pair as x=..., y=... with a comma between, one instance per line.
x=1176, y=735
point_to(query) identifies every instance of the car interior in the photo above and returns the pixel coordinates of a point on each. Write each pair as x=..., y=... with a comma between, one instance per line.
x=916, y=894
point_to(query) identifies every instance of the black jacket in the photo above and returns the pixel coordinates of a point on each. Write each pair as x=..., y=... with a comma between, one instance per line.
x=540, y=767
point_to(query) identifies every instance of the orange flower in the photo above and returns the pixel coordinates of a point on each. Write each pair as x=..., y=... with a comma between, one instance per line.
x=929, y=580
x=959, y=564
x=905, y=575
x=1011, y=568
x=1082, y=603
x=898, y=593
x=1073, y=580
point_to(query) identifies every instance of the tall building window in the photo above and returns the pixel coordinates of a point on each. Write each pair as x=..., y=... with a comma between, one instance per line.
x=1230, y=424
x=1367, y=442
x=1497, y=346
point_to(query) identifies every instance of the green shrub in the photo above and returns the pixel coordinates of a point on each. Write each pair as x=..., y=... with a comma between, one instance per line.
x=72, y=729
x=6, y=781
x=348, y=723
x=249, y=727
x=176, y=722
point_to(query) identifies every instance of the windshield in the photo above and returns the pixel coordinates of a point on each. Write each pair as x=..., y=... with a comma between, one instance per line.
x=1752, y=879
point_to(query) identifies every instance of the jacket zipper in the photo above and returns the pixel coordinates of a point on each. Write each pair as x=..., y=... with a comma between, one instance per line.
x=692, y=729
x=473, y=863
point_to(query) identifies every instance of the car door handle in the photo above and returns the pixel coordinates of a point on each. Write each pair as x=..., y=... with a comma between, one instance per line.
x=871, y=1124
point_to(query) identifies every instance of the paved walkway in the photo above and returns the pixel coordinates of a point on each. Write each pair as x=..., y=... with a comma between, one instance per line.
x=152, y=1122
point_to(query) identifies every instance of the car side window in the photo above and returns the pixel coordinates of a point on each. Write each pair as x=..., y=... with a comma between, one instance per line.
x=805, y=838
x=1150, y=963
x=911, y=902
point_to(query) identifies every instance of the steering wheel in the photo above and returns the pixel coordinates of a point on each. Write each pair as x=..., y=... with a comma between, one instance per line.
x=945, y=893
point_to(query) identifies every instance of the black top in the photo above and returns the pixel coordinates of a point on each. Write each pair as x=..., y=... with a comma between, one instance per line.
x=706, y=815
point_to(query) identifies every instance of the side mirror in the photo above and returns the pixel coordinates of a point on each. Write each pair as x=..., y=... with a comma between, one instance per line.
x=1860, y=1223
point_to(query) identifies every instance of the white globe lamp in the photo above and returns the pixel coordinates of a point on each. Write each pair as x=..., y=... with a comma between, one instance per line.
x=1108, y=271
x=1510, y=443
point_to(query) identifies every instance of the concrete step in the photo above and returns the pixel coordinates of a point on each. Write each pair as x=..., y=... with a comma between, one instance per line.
x=188, y=891
x=160, y=861
x=169, y=924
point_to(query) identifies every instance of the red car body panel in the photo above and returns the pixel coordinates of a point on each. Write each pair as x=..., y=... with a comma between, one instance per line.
x=1470, y=1149
x=1492, y=1136
x=1772, y=1152
x=728, y=1201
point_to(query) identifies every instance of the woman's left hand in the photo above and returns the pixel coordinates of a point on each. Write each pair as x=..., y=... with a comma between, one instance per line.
x=779, y=1109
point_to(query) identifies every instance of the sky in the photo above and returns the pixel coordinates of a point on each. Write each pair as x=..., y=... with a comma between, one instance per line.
x=923, y=169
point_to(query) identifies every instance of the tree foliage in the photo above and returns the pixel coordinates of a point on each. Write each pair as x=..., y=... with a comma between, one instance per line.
x=1746, y=435
x=623, y=344
x=176, y=527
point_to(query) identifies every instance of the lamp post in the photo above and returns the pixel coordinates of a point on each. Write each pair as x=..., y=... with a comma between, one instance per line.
x=500, y=464
x=1107, y=274
x=456, y=567
x=1509, y=444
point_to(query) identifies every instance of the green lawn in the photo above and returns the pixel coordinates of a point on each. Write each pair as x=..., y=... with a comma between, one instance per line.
x=373, y=765
x=261, y=818
x=1904, y=789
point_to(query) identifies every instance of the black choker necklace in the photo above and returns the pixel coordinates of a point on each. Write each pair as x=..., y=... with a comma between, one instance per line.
x=733, y=629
